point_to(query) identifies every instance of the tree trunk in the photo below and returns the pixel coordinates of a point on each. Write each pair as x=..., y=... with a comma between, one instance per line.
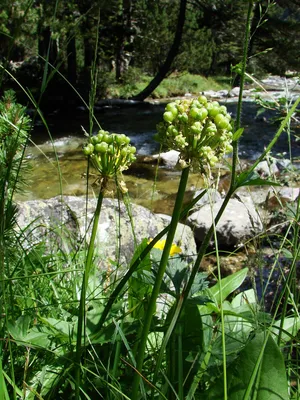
x=47, y=44
x=123, y=57
x=86, y=27
x=164, y=69
x=72, y=67
x=88, y=53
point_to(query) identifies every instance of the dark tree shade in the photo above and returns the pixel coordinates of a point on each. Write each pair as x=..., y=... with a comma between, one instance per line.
x=170, y=58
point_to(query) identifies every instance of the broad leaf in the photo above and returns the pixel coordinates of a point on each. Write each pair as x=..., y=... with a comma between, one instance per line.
x=220, y=292
x=248, y=378
x=38, y=339
x=43, y=381
x=35, y=337
x=246, y=297
x=61, y=329
x=20, y=328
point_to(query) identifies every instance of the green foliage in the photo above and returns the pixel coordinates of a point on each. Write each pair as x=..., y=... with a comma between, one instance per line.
x=195, y=36
x=14, y=128
x=280, y=107
x=278, y=31
x=126, y=37
x=260, y=363
x=151, y=48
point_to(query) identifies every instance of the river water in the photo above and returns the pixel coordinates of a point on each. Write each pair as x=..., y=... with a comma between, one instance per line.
x=139, y=123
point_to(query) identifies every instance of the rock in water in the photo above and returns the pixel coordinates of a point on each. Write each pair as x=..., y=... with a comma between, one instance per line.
x=169, y=159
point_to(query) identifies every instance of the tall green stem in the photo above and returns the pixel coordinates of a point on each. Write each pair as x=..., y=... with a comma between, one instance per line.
x=222, y=318
x=180, y=362
x=158, y=281
x=184, y=294
x=88, y=264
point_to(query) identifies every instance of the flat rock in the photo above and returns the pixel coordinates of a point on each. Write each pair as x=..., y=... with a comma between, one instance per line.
x=216, y=94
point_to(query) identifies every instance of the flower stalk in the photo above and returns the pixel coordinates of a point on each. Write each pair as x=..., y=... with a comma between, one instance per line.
x=159, y=277
x=201, y=131
x=88, y=266
x=110, y=154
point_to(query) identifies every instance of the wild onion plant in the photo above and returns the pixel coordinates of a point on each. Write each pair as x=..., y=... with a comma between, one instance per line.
x=201, y=131
x=110, y=154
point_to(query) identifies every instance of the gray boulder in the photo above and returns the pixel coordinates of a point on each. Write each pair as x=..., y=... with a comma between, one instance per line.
x=239, y=222
x=62, y=221
x=284, y=164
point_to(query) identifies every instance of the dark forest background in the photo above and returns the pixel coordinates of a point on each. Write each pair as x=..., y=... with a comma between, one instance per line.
x=137, y=38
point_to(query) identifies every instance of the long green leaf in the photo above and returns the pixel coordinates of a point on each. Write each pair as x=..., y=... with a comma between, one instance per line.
x=237, y=134
x=17, y=390
x=250, y=178
x=228, y=285
x=271, y=381
x=3, y=389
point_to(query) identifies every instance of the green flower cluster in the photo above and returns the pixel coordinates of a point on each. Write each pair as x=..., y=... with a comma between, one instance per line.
x=110, y=153
x=199, y=129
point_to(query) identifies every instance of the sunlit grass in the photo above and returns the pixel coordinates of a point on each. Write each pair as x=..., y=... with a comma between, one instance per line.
x=177, y=84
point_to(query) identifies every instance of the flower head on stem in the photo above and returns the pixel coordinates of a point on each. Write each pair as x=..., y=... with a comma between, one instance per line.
x=110, y=154
x=199, y=129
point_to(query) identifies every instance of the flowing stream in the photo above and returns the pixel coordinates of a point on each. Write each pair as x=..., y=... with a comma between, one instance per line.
x=138, y=121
